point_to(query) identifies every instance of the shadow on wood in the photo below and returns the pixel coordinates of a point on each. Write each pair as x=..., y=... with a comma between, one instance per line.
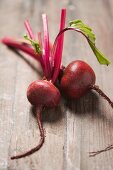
x=89, y=105
x=26, y=60
x=50, y=115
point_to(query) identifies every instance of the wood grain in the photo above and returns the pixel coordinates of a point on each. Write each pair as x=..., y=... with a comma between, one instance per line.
x=75, y=127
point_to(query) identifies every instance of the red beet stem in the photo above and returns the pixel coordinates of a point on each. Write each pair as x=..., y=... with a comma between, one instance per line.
x=42, y=135
x=101, y=93
x=40, y=40
x=58, y=47
x=29, y=29
x=46, y=52
x=28, y=50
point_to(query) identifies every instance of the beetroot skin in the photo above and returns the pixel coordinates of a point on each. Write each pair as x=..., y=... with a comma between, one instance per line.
x=77, y=79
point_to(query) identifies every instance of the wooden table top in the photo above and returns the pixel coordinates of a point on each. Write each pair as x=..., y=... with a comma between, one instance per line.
x=75, y=127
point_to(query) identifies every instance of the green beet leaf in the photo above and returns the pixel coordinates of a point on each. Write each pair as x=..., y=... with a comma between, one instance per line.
x=90, y=36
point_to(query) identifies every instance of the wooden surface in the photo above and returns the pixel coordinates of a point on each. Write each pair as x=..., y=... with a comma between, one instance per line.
x=75, y=127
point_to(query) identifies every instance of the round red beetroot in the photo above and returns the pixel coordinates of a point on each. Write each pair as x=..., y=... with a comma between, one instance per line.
x=43, y=93
x=40, y=93
x=77, y=79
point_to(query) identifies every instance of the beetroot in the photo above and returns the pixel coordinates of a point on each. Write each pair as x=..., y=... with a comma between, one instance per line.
x=42, y=94
x=77, y=79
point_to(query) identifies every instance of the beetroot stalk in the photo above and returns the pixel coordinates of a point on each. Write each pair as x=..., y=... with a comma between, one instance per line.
x=28, y=50
x=46, y=52
x=59, y=35
x=29, y=29
x=40, y=40
x=58, y=48
x=42, y=135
